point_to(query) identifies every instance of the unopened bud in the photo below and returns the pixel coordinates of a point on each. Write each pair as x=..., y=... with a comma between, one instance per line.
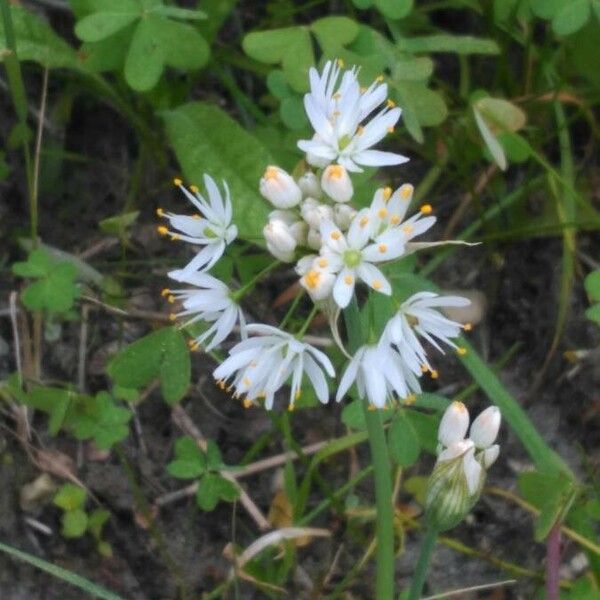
x=313, y=212
x=484, y=429
x=313, y=239
x=454, y=424
x=336, y=183
x=279, y=188
x=343, y=215
x=309, y=184
x=281, y=242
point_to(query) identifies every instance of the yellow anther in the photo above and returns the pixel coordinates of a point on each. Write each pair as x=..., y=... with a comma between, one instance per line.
x=323, y=262
x=406, y=191
x=410, y=399
x=335, y=171
x=424, y=368
x=162, y=230
x=177, y=181
x=271, y=173
x=434, y=374
x=298, y=394
x=160, y=212
x=467, y=326
x=336, y=235
x=196, y=216
x=221, y=384
x=194, y=189
x=247, y=382
x=377, y=284
x=395, y=219
x=407, y=228
x=364, y=221
x=462, y=351
x=290, y=408
x=175, y=237
x=390, y=130
x=340, y=62
x=387, y=193
x=171, y=299
x=459, y=406
x=348, y=280
x=371, y=407
x=194, y=345
x=360, y=130
x=426, y=209
x=382, y=248
x=247, y=403
x=363, y=89
x=382, y=213
x=172, y=317
x=379, y=78
x=312, y=279
x=337, y=96
x=165, y=292
x=390, y=103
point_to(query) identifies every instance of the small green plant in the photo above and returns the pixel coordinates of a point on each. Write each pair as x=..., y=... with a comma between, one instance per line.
x=592, y=287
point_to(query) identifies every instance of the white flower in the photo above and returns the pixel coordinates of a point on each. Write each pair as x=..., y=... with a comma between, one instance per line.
x=212, y=228
x=378, y=373
x=308, y=182
x=454, y=424
x=313, y=212
x=350, y=256
x=279, y=188
x=336, y=113
x=282, y=233
x=260, y=365
x=336, y=183
x=343, y=215
x=419, y=314
x=316, y=279
x=210, y=302
x=465, y=450
x=485, y=427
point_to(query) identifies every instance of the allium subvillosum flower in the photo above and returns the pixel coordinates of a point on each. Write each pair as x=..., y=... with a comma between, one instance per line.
x=351, y=256
x=336, y=183
x=337, y=109
x=211, y=302
x=261, y=365
x=211, y=228
x=279, y=188
x=379, y=374
x=283, y=233
x=420, y=316
x=459, y=474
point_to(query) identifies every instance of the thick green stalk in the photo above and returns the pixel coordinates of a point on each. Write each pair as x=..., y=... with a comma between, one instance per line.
x=427, y=546
x=384, y=582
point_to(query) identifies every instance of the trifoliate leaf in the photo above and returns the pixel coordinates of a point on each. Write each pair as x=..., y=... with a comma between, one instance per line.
x=70, y=497
x=212, y=488
x=74, y=523
x=190, y=461
x=101, y=25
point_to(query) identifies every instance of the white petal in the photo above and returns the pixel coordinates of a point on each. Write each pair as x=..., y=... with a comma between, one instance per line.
x=343, y=289
x=349, y=374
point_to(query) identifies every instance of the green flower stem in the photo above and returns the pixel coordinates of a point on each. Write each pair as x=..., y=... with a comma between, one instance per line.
x=237, y=295
x=428, y=544
x=292, y=309
x=308, y=321
x=384, y=582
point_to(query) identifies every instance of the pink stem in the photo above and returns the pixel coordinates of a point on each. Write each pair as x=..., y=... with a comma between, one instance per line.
x=553, y=563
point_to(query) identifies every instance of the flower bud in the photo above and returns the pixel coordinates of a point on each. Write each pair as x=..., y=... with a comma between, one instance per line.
x=281, y=242
x=484, y=429
x=336, y=183
x=313, y=212
x=343, y=215
x=313, y=239
x=454, y=486
x=454, y=424
x=279, y=188
x=489, y=456
x=309, y=184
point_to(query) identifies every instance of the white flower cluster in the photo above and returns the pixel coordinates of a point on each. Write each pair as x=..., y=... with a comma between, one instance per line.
x=334, y=245
x=462, y=463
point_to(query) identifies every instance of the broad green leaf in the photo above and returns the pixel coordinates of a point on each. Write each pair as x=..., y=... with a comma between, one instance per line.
x=353, y=415
x=298, y=59
x=429, y=105
x=185, y=14
x=394, y=9
x=515, y=146
x=53, y=401
x=207, y=140
x=162, y=355
x=403, y=441
x=146, y=57
x=56, y=292
x=457, y=44
x=426, y=427
x=184, y=47
x=493, y=145
x=504, y=9
x=500, y=114
x=189, y=462
x=39, y=263
x=592, y=285
x=292, y=113
x=277, y=84
x=547, y=9
x=214, y=460
x=406, y=67
x=108, y=54
x=571, y=17
x=74, y=523
x=70, y=497
x=270, y=46
x=212, y=488
x=593, y=313
x=119, y=223
x=101, y=25
x=334, y=32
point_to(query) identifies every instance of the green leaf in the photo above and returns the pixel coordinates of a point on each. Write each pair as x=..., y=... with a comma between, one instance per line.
x=457, y=44
x=277, y=84
x=190, y=461
x=70, y=497
x=146, y=57
x=592, y=285
x=292, y=113
x=74, y=523
x=96, y=521
x=56, y=402
x=39, y=263
x=593, y=313
x=333, y=33
x=571, y=17
x=353, y=415
x=214, y=460
x=403, y=441
x=212, y=488
x=162, y=355
x=119, y=223
x=101, y=25
x=184, y=47
x=101, y=419
x=547, y=9
x=394, y=9
x=56, y=292
x=500, y=114
x=426, y=427
x=206, y=139
x=185, y=14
